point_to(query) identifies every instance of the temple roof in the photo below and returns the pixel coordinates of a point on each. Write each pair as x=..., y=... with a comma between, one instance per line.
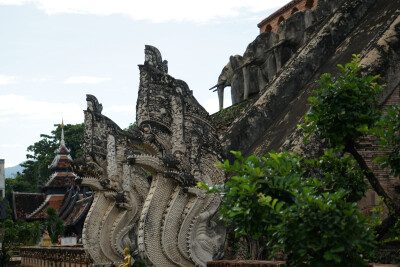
x=67, y=198
x=58, y=179
x=26, y=203
x=33, y=205
x=69, y=205
x=61, y=161
x=54, y=201
x=79, y=211
x=62, y=158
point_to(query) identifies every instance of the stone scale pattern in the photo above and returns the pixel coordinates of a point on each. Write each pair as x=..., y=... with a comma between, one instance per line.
x=145, y=178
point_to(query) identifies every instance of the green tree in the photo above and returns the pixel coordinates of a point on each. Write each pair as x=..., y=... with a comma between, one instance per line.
x=54, y=225
x=130, y=126
x=14, y=234
x=310, y=219
x=18, y=184
x=345, y=109
x=388, y=131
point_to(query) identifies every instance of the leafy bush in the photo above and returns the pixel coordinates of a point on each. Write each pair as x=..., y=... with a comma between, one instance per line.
x=271, y=197
x=388, y=131
x=339, y=171
x=324, y=230
x=54, y=225
x=14, y=234
x=345, y=107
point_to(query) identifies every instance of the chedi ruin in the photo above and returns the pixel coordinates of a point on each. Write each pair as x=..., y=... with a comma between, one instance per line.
x=145, y=178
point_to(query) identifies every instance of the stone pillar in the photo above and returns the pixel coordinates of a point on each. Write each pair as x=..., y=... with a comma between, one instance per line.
x=246, y=80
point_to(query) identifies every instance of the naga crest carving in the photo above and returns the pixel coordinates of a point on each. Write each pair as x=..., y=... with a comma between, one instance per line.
x=146, y=197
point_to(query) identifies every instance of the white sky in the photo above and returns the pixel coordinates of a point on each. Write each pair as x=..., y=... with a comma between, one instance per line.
x=54, y=52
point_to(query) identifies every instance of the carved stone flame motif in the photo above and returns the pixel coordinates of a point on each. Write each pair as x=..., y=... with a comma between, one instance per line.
x=146, y=196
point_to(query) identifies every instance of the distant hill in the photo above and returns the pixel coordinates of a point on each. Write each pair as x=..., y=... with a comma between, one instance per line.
x=10, y=172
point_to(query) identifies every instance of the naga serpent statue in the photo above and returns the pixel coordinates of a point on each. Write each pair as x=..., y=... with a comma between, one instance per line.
x=145, y=178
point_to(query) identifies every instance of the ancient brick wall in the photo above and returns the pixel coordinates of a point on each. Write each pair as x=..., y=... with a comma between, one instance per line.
x=370, y=150
x=271, y=23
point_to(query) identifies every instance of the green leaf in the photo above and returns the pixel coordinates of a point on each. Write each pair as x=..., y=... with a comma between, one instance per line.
x=203, y=186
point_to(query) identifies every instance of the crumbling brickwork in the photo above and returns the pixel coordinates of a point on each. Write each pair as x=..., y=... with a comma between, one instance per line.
x=369, y=149
x=271, y=23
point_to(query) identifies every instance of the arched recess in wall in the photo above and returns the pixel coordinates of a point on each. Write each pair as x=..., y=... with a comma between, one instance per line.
x=268, y=28
x=280, y=19
x=294, y=10
x=309, y=4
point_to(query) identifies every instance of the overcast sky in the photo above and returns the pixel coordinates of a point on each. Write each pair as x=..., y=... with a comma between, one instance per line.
x=54, y=52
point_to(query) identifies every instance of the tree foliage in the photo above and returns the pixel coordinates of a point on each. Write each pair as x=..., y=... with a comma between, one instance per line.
x=130, y=126
x=308, y=207
x=310, y=219
x=339, y=171
x=14, y=234
x=53, y=224
x=388, y=131
x=345, y=107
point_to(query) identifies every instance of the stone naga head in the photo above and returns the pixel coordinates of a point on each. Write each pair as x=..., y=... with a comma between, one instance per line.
x=153, y=58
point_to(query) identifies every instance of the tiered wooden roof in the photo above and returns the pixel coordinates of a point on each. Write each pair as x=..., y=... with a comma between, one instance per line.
x=26, y=203
x=59, y=192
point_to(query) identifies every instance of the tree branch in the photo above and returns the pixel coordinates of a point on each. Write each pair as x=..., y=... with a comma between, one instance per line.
x=394, y=209
x=383, y=228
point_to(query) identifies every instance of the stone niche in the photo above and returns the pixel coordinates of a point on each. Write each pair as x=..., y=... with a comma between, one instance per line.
x=145, y=178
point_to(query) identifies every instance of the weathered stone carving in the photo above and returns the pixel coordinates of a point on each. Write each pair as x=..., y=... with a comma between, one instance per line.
x=267, y=54
x=250, y=133
x=146, y=196
x=154, y=60
x=93, y=104
x=231, y=75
